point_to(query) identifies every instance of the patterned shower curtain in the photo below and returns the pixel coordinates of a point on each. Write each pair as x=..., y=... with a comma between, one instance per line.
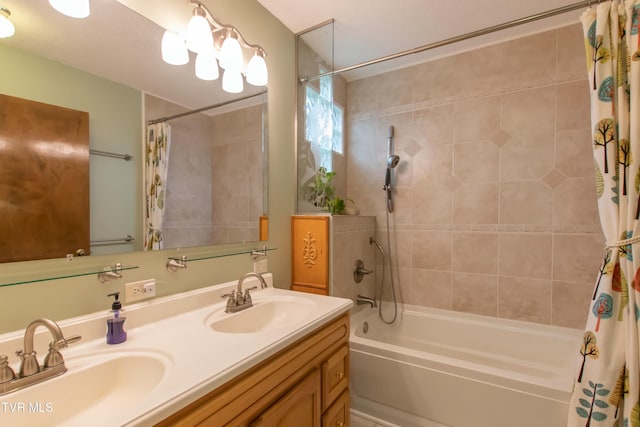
x=158, y=144
x=606, y=390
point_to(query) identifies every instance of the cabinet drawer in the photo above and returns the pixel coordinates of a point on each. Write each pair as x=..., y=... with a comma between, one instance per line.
x=338, y=414
x=335, y=376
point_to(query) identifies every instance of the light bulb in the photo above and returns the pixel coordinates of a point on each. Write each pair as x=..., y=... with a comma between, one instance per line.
x=174, y=50
x=257, y=73
x=72, y=8
x=231, y=53
x=7, y=29
x=199, y=31
x=232, y=81
x=206, y=65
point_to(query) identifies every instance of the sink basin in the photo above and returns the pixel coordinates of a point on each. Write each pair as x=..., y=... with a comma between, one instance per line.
x=265, y=315
x=95, y=389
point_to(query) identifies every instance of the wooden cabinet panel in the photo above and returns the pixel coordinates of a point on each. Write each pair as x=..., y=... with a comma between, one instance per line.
x=264, y=227
x=248, y=396
x=299, y=407
x=335, y=376
x=309, y=289
x=310, y=253
x=44, y=180
x=338, y=414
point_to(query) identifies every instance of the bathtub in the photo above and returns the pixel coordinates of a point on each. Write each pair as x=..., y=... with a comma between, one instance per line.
x=437, y=368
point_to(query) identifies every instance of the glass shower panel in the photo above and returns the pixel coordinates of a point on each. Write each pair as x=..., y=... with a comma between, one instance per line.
x=320, y=120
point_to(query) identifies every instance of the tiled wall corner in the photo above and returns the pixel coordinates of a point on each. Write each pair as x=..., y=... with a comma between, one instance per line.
x=350, y=242
x=495, y=199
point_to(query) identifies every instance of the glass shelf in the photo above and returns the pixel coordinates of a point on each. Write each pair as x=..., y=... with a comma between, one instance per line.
x=62, y=273
x=223, y=253
x=53, y=270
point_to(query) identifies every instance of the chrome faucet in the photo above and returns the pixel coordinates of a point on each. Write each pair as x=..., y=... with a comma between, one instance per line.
x=366, y=300
x=237, y=300
x=30, y=371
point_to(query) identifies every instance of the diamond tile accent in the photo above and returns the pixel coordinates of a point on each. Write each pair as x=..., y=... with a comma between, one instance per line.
x=554, y=178
x=412, y=148
x=500, y=137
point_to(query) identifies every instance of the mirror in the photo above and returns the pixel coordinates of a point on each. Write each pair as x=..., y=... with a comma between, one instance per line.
x=103, y=65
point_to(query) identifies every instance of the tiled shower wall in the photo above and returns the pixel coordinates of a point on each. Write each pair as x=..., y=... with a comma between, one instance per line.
x=188, y=207
x=214, y=183
x=237, y=160
x=350, y=236
x=495, y=205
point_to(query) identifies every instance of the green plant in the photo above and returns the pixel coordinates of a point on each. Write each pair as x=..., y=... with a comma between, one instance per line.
x=319, y=190
x=336, y=206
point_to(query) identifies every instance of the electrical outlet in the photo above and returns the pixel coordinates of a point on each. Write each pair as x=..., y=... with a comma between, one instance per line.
x=260, y=266
x=135, y=291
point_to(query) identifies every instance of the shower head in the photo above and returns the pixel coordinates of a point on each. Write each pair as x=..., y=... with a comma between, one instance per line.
x=392, y=161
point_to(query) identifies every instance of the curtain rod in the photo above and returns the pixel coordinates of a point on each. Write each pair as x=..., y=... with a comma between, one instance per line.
x=482, y=32
x=199, y=110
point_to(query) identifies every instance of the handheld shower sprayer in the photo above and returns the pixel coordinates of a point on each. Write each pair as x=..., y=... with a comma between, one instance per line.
x=392, y=162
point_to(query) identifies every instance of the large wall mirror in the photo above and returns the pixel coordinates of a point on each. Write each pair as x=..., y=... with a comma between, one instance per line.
x=110, y=66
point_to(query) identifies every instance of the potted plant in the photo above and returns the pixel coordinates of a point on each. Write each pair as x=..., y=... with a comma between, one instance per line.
x=319, y=189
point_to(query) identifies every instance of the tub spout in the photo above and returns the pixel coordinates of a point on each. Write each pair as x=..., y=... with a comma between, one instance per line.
x=366, y=300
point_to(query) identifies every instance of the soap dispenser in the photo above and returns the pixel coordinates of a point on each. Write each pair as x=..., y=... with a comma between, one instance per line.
x=115, y=325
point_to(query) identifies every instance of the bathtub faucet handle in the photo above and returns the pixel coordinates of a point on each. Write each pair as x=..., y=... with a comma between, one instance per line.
x=359, y=271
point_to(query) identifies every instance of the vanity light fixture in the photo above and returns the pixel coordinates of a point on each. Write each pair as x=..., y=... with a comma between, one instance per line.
x=72, y=8
x=7, y=29
x=199, y=36
x=257, y=73
x=174, y=50
x=216, y=45
x=232, y=81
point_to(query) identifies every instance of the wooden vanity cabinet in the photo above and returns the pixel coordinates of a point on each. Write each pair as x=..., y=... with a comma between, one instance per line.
x=298, y=407
x=303, y=385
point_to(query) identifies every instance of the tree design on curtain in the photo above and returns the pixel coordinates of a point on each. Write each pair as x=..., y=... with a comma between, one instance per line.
x=607, y=387
x=156, y=163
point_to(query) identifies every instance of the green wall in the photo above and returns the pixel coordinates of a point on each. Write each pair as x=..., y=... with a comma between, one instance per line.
x=62, y=298
x=115, y=115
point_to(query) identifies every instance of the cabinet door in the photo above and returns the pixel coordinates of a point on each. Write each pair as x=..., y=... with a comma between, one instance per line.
x=310, y=253
x=338, y=414
x=300, y=406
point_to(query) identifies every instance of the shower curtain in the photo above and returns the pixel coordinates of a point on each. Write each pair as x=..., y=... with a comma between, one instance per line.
x=158, y=143
x=606, y=389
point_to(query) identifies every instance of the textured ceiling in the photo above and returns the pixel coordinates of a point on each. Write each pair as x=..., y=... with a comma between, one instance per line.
x=370, y=29
x=122, y=45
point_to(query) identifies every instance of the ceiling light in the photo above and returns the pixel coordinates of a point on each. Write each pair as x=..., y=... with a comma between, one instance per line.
x=232, y=81
x=6, y=26
x=174, y=50
x=71, y=8
x=257, y=74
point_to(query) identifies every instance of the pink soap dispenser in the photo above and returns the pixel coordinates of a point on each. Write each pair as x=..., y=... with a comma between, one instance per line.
x=115, y=325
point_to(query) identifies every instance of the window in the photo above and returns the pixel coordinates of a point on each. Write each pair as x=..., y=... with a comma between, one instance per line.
x=324, y=123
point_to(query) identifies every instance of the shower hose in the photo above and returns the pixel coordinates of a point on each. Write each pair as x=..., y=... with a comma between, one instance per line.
x=393, y=291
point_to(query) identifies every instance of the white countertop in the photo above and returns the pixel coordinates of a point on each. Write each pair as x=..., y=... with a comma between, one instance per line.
x=176, y=331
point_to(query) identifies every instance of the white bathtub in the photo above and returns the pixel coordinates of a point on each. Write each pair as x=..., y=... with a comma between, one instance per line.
x=442, y=368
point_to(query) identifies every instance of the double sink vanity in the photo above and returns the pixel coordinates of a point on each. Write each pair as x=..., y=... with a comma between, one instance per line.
x=188, y=362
